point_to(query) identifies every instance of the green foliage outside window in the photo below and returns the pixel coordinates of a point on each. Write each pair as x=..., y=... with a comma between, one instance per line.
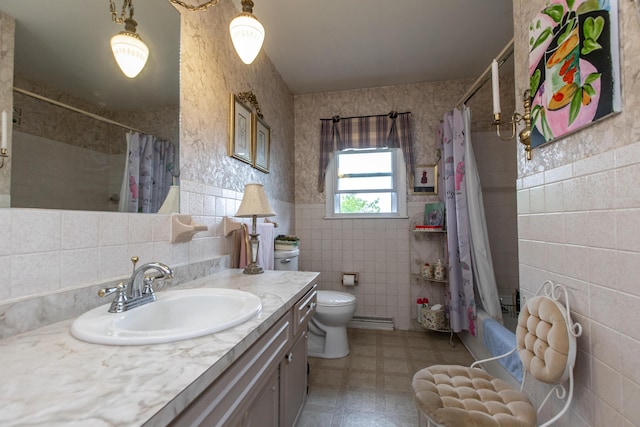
x=352, y=204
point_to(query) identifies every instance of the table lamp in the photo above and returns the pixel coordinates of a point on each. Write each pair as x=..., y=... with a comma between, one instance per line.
x=254, y=205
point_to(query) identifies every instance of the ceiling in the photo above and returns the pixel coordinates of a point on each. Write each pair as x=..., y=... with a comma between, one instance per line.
x=333, y=45
x=316, y=46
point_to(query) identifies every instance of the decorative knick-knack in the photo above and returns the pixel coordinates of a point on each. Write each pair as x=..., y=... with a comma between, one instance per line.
x=439, y=271
x=427, y=271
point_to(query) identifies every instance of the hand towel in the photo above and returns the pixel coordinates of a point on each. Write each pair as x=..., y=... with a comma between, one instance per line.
x=266, y=237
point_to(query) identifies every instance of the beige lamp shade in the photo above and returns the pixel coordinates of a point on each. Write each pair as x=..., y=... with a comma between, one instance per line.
x=254, y=202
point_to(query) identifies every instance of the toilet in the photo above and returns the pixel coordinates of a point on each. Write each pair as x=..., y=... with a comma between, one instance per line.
x=328, y=326
x=286, y=260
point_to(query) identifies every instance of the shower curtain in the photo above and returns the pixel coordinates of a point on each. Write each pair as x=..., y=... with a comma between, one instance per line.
x=470, y=263
x=148, y=173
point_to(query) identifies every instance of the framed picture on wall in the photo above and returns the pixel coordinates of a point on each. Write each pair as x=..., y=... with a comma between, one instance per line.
x=574, y=67
x=261, y=142
x=425, y=179
x=240, y=131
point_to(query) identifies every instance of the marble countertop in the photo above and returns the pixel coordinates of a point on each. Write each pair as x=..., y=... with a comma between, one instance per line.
x=51, y=378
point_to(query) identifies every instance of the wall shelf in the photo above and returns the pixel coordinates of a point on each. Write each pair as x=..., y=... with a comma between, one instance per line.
x=429, y=246
x=444, y=282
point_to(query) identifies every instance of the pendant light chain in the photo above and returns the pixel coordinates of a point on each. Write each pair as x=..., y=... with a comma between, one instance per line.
x=121, y=18
x=129, y=50
x=196, y=8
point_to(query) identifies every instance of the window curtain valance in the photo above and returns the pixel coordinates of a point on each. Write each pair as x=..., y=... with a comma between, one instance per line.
x=391, y=130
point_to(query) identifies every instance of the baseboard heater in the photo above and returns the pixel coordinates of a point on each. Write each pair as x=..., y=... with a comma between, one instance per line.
x=369, y=322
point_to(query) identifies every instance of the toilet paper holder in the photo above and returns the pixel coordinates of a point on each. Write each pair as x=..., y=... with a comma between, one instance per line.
x=349, y=279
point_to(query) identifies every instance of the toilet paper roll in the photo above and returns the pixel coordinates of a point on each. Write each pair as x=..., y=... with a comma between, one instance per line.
x=348, y=280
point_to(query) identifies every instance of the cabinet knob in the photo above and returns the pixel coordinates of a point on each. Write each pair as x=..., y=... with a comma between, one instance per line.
x=289, y=357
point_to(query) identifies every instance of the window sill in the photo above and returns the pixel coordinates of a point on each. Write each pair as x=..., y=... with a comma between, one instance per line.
x=363, y=216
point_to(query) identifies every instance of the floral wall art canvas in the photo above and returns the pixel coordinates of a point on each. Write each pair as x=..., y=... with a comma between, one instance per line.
x=574, y=67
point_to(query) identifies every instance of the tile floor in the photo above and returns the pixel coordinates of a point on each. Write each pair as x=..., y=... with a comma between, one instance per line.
x=372, y=386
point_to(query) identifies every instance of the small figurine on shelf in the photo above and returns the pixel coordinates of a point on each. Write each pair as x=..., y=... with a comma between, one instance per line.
x=427, y=271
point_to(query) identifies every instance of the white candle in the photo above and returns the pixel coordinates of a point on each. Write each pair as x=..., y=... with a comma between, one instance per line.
x=495, y=84
x=4, y=129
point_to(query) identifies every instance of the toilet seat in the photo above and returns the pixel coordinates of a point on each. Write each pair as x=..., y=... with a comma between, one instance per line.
x=334, y=299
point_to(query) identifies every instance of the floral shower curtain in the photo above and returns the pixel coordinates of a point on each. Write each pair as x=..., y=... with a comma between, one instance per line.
x=148, y=173
x=468, y=245
x=462, y=306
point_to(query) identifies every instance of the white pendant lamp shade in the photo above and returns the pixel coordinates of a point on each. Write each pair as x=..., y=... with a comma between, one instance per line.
x=247, y=34
x=131, y=53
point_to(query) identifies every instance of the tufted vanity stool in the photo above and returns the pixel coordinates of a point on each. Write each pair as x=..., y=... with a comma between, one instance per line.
x=451, y=395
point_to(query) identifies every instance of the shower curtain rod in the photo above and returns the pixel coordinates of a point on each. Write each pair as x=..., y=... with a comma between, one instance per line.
x=375, y=115
x=502, y=57
x=74, y=109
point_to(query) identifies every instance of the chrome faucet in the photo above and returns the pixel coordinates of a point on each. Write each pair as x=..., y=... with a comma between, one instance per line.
x=136, y=292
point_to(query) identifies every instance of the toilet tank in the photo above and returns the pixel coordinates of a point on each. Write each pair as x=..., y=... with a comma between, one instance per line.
x=286, y=260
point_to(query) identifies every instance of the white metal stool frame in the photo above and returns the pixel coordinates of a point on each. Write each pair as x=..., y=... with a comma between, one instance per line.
x=554, y=292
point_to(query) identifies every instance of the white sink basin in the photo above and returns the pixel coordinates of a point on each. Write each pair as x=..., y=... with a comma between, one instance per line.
x=176, y=315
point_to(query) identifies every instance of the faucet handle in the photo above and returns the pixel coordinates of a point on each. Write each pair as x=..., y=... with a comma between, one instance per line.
x=119, y=302
x=118, y=305
x=148, y=285
x=108, y=291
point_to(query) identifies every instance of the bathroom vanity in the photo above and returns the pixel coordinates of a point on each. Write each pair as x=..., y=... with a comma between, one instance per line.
x=252, y=374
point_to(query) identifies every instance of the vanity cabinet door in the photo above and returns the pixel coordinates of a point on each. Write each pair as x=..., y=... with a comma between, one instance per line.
x=293, y=382
x=229, y=400
x=263, y=411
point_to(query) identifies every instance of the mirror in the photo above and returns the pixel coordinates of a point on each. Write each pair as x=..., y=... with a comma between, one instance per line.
x=63, y=159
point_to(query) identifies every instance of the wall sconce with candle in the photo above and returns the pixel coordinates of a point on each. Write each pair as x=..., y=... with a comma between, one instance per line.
x=525, y=134
x=5, y=136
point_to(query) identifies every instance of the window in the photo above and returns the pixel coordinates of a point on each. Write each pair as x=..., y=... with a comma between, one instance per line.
x=366, y=183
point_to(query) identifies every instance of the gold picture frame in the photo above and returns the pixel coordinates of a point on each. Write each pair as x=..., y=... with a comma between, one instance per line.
x=240, y=130
x=425, y=180
x=261, y=142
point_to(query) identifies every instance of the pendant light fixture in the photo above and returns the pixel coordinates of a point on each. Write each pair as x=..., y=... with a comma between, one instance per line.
x=130, y=52
x=247, y=33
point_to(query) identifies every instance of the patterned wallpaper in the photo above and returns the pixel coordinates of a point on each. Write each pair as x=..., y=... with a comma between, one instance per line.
x=428, y=102
x=49, y=121
x=210, y=72
x=213, y=72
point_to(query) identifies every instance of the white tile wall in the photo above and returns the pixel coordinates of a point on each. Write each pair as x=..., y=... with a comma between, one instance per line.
x=45, y=173
x=377, y=249
x=46, y=251
x=579, y=224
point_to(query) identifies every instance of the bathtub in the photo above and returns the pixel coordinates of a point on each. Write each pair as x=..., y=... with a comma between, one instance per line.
x=476, y=347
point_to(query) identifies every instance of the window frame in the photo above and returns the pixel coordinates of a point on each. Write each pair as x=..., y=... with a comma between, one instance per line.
x=399, y=177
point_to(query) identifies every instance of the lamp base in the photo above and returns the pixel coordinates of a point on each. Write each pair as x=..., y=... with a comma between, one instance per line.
x=253, y=268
